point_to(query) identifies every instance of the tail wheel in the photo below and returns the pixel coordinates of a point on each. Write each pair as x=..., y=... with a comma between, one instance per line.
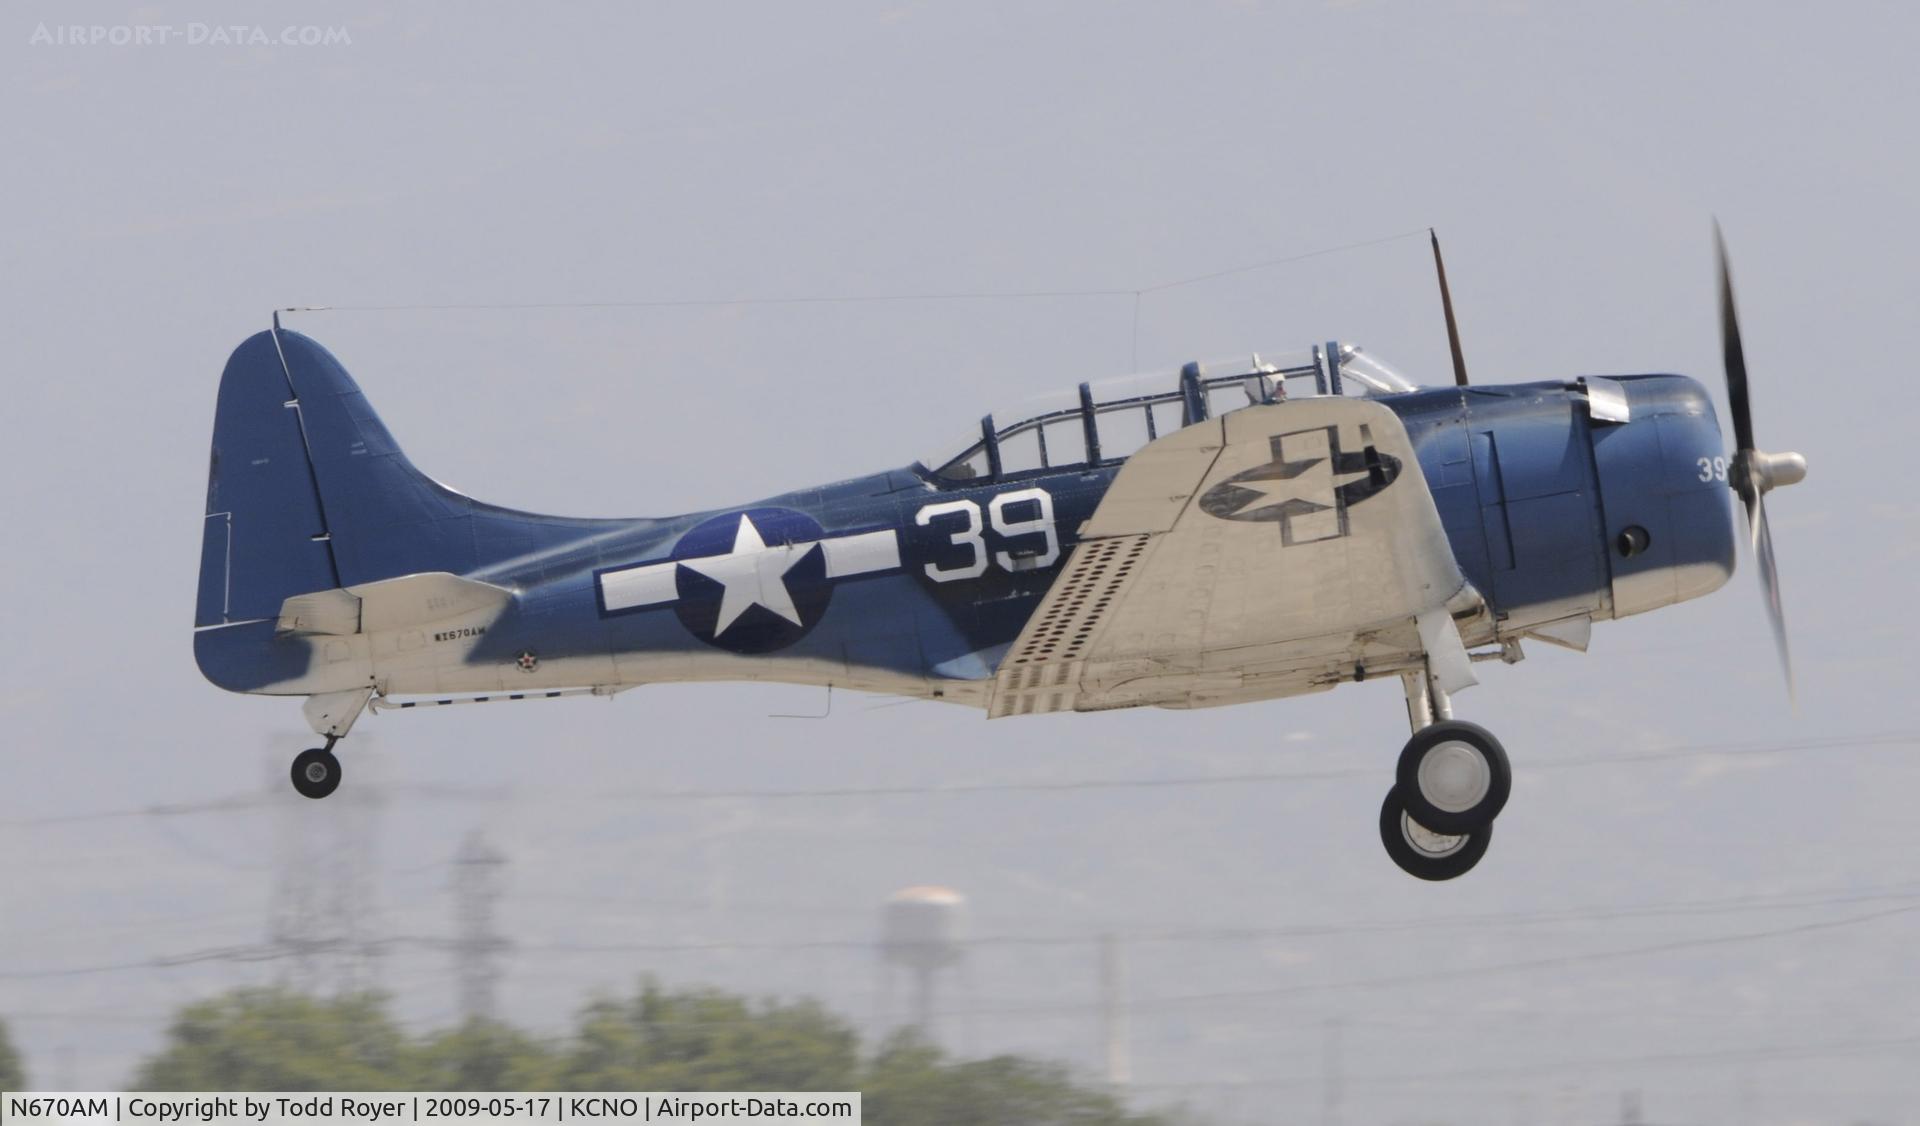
x=1423, y=853
x=316, y=773
x=1454, y=777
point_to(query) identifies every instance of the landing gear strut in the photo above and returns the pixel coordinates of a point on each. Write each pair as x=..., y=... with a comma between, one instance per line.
x=1452, y=781
x=316, y=772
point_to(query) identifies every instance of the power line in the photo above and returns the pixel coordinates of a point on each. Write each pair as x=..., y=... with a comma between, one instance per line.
x=1849, y=742
x=1222, y=935
x=1134, y=292
x=242, y=803
x=714, y=302
x=1534, y=1070
x=1424, y=978
x=1902, y=893
x=1864, y=741
x=1525, y=965
x=1272, y=262
x=1662, y=1059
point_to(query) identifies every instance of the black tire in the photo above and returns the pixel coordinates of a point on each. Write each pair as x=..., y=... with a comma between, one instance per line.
x=316, y=773
x=1421, y=863
x=1454, y=734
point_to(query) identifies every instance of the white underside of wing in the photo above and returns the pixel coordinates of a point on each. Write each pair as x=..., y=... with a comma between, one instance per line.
x=1275, y=551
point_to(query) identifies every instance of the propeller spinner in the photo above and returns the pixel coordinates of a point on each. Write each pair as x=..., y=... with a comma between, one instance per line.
x=1754, y=472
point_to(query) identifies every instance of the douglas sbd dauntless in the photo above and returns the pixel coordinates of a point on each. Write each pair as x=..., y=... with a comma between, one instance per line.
x=1216, y=535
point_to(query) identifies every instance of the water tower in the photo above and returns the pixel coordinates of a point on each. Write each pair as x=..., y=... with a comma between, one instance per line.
x=920, y=933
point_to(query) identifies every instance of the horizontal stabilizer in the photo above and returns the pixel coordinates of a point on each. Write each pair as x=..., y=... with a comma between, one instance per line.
x=390, y=604
x=324, y=611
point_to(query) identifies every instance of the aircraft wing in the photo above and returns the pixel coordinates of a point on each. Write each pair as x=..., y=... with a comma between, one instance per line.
x=1272, y=551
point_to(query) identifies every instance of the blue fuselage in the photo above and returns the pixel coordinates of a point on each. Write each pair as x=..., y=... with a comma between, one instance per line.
x=907, y=580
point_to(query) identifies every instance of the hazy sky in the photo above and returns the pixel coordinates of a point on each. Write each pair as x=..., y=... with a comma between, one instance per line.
x=160, y=200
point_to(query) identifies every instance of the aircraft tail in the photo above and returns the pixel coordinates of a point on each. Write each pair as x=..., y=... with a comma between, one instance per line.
x=307, y=491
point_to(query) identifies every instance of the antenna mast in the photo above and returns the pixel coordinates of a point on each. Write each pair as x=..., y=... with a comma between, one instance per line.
x=1446, y=306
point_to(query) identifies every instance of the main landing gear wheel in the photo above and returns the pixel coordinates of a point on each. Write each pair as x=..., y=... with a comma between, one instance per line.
x=316, y=772
x=1423, y=853
x=1454, y=778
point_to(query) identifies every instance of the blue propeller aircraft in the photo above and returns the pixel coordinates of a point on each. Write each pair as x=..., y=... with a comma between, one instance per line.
x=1217, y=535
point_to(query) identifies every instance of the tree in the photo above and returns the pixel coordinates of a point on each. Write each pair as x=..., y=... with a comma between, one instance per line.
x=706, y=1040
x=483, y=1055
x=13, y=1077
x=910, y=1083
x=277, y=1040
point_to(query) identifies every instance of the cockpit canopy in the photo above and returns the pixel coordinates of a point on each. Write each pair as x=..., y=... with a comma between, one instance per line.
x=1104, y=422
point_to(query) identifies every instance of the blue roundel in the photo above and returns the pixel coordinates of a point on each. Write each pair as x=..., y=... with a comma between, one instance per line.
x=753, y=581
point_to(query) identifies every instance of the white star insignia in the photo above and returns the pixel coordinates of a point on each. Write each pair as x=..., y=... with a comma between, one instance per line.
x=753, y=574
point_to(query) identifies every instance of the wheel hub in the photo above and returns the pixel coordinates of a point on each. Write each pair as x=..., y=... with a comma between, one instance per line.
x=1428, y=842
x=1455, y=776
x=316, y=772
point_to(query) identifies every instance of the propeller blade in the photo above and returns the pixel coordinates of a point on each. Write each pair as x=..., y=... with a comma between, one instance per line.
x=1446, y=306
x=1732, y=353
x=1750, y=501
x=1753, y=472
x=1770, y=585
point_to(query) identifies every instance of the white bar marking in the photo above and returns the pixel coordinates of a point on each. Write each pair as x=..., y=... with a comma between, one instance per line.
x=647, y=585
x=862, y=554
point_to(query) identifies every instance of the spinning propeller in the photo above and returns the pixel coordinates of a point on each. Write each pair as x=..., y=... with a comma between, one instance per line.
x=1754, y=472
